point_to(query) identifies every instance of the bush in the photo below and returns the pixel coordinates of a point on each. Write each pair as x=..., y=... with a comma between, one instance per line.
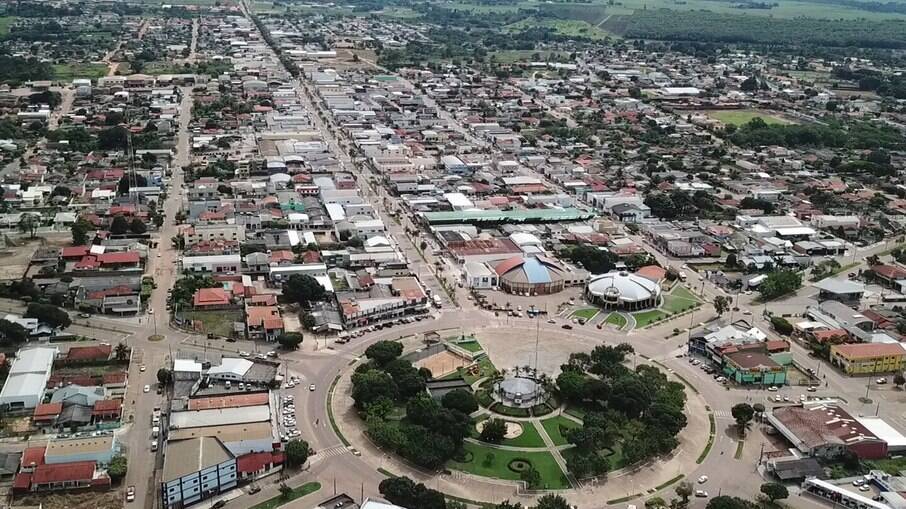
x=781, y=325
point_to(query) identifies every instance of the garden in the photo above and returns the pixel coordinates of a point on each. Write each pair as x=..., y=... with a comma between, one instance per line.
x=487, y=461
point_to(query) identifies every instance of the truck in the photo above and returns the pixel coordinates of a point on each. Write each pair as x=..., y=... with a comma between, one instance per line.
x=437, y=302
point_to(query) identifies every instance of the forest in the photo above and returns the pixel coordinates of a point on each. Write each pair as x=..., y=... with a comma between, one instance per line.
x=706, y=26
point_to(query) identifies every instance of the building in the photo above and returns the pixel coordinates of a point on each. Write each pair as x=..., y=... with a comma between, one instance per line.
x=479, y=276
x=826, y=430
x=27, y=380
x=754, y=364
x=99, y=450
x=842, y=290
x=196, y=469
x=531, y=275
x=623, y=290
x=66, y=476
x=868, y=358
x=216, y=264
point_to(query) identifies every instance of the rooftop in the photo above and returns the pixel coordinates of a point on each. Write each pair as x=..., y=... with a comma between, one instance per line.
x=192, y=455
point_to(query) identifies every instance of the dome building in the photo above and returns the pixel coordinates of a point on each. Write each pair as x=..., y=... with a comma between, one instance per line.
x=623, y=290
x=531, y=275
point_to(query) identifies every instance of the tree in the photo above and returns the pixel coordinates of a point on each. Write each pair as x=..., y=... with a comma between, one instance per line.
x=303, y=289
x=551, y=501
x=572, y=385
x=383, y=352
x=460, y=399
x=899, y=380
x=404, y=492
x=684, y=491
x=80, y=231
x=531, y=477
x=493, y=431
x=29, y=224
x=290, y=340
x=285, y=491
x=742, y=413
x=370, y=385
x=119, y=225
x=49, y=314
x=780, y=282
x=297, y=452
x=655, y=503
x=728, y=502
x=774, y=491
x=121, y=352
x=308, y=321
x=782, y=325
x=721, y=304
x=114, y=138
x=11, y=333
x=117, y=468
x=750, y=84
x=164, y=376
x=137, y=226
x=731, y=262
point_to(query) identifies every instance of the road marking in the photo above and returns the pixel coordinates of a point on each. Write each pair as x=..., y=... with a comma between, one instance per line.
x=723, y=414
x=330, y=452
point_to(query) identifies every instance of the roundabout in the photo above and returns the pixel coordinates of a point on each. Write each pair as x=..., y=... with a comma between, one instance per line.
x=483, y=470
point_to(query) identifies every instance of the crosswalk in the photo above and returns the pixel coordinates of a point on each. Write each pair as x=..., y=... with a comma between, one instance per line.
x=723, y=414
x=330, y=452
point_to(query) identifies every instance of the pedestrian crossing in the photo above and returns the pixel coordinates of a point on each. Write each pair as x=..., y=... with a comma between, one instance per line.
x=723, y=414
x=331, y=452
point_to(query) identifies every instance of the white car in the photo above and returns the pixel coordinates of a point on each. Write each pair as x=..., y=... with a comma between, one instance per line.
x=147, y=388
x=130, y=493
x=701, y=493
x=703, y=479
x=142, y=368
x=772, y=388
x=244, y=354
x=311, y=387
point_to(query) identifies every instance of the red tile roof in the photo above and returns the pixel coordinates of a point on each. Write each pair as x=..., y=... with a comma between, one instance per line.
x=255, y=461
x=74, y=251
x=869, y=350
x=652, y=272
x=22, y=481
x=211, y=297
x=46, y=410
x=889, y=271
x=121, y=257
x=107, y=405
x=238, y=400
x=84, y=353
x=33, y=456
x=75, y=471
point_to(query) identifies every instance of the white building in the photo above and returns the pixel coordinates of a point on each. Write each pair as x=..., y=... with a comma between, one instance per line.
x=28, y=375
x=479, y=276
x=212, y=232
x=213, y=263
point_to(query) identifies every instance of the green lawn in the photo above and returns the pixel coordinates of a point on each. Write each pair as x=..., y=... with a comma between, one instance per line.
x=891, y=466
x=5, y=23
x=740, y=117
x=553, y=425
x=470, y=346
x=529, y=437
x=587, y=313
x=301, y=491
x=578, y=413
x=616, y=319
x=683, y=293
x=676, y=304
x=551, y=475
x=69, y=72
x=219, y=323
x=644, y=318
x=485, y=368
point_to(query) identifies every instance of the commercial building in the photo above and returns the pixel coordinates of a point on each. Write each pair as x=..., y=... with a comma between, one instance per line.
x=868, y=358
x=195, y=469
x=99, y=450
x=623, y=290
x=527, y=275
x=753, y=364
x=826, y=430
x=27, y=380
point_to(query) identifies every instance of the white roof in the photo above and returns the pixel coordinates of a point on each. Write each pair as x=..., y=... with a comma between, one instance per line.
x=881, y=429
x=231, y=366
x=220, y=416
x=23, y=384
x=186, y=366
x=521, y=239
x=335, y=211
x=33, y=360
x=795, y=230
x=374, y=504
x=459, y=200
x=632, y=288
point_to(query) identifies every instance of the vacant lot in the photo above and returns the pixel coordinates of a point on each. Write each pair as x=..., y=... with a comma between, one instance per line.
x=740, y=117
x=219, y=323
x=69, y=72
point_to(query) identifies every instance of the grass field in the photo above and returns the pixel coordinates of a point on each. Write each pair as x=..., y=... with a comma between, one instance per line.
x=565, y=27
x=5, y=23
x=644, y=318
x=740, y=117
x=301, y=491
x=587, y=313
x=69, y=72
x=219, y=323
x=616, y=319
x=673, y=304
x=529, y=437
x=553, y=425
x=485, y=368
x=551, y=475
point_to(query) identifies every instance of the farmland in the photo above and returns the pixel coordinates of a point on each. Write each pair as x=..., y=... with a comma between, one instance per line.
x=740, y=117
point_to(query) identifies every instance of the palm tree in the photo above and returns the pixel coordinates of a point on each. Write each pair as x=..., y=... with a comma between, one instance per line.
x=121, y=351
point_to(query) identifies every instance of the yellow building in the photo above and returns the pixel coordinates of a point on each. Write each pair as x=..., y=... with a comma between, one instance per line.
x=868, y=358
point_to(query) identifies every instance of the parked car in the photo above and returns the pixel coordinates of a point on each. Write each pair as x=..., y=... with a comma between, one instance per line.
x=567, y=326
x=701, y=493
x=147, y=388
x=130, y=493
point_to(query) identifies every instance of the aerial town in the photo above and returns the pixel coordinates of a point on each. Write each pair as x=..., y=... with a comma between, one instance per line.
x=452, y=254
